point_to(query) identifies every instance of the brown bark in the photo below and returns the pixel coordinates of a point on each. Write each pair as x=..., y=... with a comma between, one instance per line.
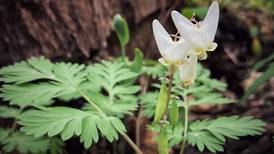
x=68, y=29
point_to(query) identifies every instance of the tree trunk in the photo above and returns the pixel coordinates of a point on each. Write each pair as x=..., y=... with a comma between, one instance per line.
x=69, y=29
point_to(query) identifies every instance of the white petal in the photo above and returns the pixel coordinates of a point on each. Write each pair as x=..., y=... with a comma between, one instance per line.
x=170, y=50
x=188, y=70
x=180, y=20
x=163, y=40
x=190, y=32
x=195, y=36
x=210, y=22
x=178, y=51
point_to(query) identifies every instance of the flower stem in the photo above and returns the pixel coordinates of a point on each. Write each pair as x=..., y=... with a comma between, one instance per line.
x=123, y=50
x=169, y=77
x=170, y=80
x=185, y=126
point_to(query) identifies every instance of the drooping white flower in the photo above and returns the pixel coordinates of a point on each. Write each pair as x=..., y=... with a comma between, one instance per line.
x=187, y=71
x=201, y=34
x=173, y=52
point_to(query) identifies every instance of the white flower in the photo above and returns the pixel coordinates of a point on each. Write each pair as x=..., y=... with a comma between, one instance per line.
x=201, y=34
x=187, y=71
x=173, y=52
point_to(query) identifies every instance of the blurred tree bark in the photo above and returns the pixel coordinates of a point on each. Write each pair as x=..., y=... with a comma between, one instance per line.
x=65, y=28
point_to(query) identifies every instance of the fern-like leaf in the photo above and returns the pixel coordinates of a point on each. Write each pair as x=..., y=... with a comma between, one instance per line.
x=68, y=122
x=18, y=141
x=115, y=79
x=38, y=81
x=26, y=71
x=9, y=112
x=211, y=134
x=154, y=69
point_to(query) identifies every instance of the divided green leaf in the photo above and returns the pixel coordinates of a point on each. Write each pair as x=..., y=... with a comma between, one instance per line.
x=211, y=134
x=27, y=144
x=205, y=91
x=68, y=122
x=9, y=112
x=38, y=81
x=116, y=81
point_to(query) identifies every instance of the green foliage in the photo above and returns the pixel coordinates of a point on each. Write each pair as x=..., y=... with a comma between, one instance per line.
x=148, y=103
x=205, y=91
x=211, y=134
x=269, y=73
x=110, y=93
x=121, y=29
x=266, y=6
x=9, y=112
x=263, y=62
x=26, y=71
x=115, y=79
x=198, y=11
x=154, y=69
x=138, y=61
x=22, y=143
x=68, y=122
x=51, y=81
x=108, y=87
x=3, y=134
x=205, y=134
x=67, y=81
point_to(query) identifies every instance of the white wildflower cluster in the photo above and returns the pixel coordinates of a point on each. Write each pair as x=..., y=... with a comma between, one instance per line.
x=192, y=45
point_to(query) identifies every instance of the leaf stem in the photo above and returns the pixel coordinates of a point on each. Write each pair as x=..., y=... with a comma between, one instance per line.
x=125, y=136
x=92, y=103
x=144, y=84
x=13, y=127
x=131, y=143
x=185, y=125
x=137, y=129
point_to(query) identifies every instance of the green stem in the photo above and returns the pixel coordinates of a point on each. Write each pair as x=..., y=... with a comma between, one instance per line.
x=170, y=74
x=13, y=127
x=169, y=77
x=144, y=86
x=185, y=126
x=92, y=103
x=131, y=143
x=123, y=49
x=125, y=136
